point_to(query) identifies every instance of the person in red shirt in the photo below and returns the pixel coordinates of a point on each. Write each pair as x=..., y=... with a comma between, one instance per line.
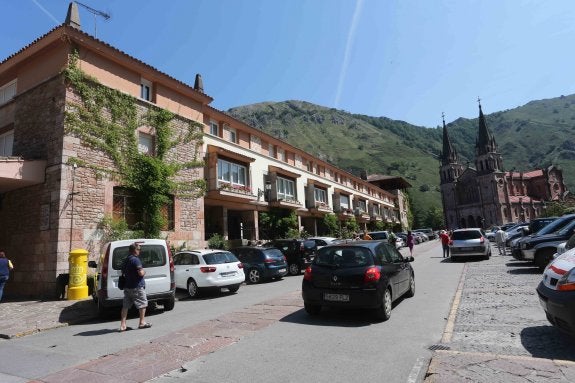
x=445, y=243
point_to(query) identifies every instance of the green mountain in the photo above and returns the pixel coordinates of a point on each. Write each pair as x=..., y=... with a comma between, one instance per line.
x=535, y=135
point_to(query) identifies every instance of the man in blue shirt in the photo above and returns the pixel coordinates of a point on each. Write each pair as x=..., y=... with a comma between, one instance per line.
x=135, y=288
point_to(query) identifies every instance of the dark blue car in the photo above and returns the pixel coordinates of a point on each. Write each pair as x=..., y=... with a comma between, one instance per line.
x=261, y=263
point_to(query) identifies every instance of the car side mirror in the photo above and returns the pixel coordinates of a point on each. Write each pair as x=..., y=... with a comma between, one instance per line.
x=409, y=258
x=92, y=264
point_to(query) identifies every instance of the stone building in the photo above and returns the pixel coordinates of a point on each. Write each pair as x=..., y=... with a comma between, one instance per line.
x=484, y=195
x=61, y=178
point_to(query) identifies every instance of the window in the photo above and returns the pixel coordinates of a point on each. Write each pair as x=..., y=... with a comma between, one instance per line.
x=125, y=208
x=7, y=92
x=376, y=210
x=308, y=165
x=320, y=195
x=286, y=189
x=344, y=201
x=145, y=143
x=271, y=151
x=362, y=206
x=214, y=128
x=281, y=154
x=146, y=90
x=231, y=134
x=6, y=144
x=232, y=173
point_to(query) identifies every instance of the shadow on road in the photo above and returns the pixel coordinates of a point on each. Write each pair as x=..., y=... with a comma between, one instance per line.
x=548, y=342
x=332, y=317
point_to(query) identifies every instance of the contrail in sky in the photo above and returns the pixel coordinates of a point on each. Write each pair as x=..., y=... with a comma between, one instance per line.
x=348, y=45
x=46, y=12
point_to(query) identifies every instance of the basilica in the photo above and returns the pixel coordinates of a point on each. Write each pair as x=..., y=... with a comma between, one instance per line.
x=485, y=195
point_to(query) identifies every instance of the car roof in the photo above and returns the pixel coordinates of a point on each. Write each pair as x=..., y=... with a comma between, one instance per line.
x=202, y=251
x=371, y=244
x=325, y=238
x=468, y=229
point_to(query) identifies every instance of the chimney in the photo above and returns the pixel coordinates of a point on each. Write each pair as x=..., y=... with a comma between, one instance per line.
x=363, y=175
x=199, y=84
x=73, y=16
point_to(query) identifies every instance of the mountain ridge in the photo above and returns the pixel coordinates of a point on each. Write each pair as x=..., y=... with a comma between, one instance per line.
x=531, y=136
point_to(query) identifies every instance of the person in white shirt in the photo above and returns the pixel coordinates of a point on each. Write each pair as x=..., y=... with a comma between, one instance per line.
x=500, y=238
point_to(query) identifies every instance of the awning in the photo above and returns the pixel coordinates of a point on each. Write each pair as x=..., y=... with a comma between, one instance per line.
x=16, y=173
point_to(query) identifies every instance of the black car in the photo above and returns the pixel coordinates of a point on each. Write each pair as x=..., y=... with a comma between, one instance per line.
x=361, y=274
x=540, y=247
x=298, y=252
x=261, y=263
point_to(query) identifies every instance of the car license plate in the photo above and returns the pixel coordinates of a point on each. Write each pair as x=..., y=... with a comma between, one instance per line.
x=336, y=297
x=282, y=270
x=228, y=274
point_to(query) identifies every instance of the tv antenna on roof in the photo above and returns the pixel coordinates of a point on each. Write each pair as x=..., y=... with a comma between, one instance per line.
x=95, y=12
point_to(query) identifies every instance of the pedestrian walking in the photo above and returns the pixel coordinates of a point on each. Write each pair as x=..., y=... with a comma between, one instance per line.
x=410, y=242
x=445, y=240
x=500, y=238
x=135, y=288
x=5, y=267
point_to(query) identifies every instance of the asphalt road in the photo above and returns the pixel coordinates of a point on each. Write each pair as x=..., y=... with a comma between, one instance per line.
x=336, y=346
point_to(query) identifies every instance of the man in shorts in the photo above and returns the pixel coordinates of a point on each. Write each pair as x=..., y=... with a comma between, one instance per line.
x=135, y=289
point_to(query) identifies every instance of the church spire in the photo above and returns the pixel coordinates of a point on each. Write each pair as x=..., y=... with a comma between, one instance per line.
x=485, y=140
x=487, y=159
x=449, y=154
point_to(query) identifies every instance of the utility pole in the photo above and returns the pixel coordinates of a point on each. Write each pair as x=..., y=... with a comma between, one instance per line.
x=95, y=12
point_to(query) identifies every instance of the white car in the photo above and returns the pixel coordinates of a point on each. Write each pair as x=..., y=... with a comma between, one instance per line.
x=207, y=268
x=556, y=292
x=323, y=241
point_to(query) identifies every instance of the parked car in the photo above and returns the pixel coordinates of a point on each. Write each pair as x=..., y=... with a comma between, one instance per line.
x=361, y=274
x=399, y=242
x=261, y=263
x=490, y=234
x=537, y=224
x=471, y=242
x=379, y=235
x=323, y=241
x=428, y=232
x=298, y=252
x=540, y=247
x=156, y=259
x=515, y=232
x=198, y=270
x=420, y=237
x=556, y=292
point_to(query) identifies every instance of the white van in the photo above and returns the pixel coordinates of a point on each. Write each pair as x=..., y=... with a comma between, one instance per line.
x=156, y=258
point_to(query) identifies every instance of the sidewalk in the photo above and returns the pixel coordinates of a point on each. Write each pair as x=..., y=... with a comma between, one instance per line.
x=20, y=318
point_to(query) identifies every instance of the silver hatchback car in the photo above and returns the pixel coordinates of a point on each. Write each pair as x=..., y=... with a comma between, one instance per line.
x=471, y=242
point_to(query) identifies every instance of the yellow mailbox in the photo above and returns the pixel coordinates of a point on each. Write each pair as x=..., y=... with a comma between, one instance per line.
x=77, y=287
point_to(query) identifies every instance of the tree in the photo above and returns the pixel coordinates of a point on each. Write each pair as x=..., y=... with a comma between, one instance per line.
x=434, y=218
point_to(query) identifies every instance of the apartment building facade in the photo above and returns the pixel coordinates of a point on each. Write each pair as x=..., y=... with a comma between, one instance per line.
x=57, y=187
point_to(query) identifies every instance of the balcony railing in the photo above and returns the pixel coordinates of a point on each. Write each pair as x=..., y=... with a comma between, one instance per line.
x=239, y=189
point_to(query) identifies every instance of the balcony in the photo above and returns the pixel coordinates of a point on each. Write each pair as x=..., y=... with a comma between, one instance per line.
x=376, y=217
x=227, y=191
x=361, y=214
x=321, y=207
x=286, y=202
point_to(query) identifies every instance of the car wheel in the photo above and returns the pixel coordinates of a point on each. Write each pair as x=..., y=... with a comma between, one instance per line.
x=312, y=309
x=254, y=276
x=234, y=288
x=294, y=269
x=411, y=292
x=193, y=290
x=169, y=303
x=543, y=257
x=383, y=313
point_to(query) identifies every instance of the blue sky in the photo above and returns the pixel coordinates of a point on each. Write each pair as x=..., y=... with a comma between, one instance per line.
x=408, y=60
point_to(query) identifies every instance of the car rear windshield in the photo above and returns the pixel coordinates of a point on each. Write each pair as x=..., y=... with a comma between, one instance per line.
x=150, y=256
x=273, y=253
x=217, y=258
x=343, y=257
x=382, y=235
x=467, y=234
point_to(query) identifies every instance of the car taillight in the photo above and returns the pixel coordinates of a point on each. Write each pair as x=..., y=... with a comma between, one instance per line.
x=269, y=260
x=206, y=269
x=240, y=265
x=104, y=275
x=567, y=281
x=307, y=274
x=371, y=275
